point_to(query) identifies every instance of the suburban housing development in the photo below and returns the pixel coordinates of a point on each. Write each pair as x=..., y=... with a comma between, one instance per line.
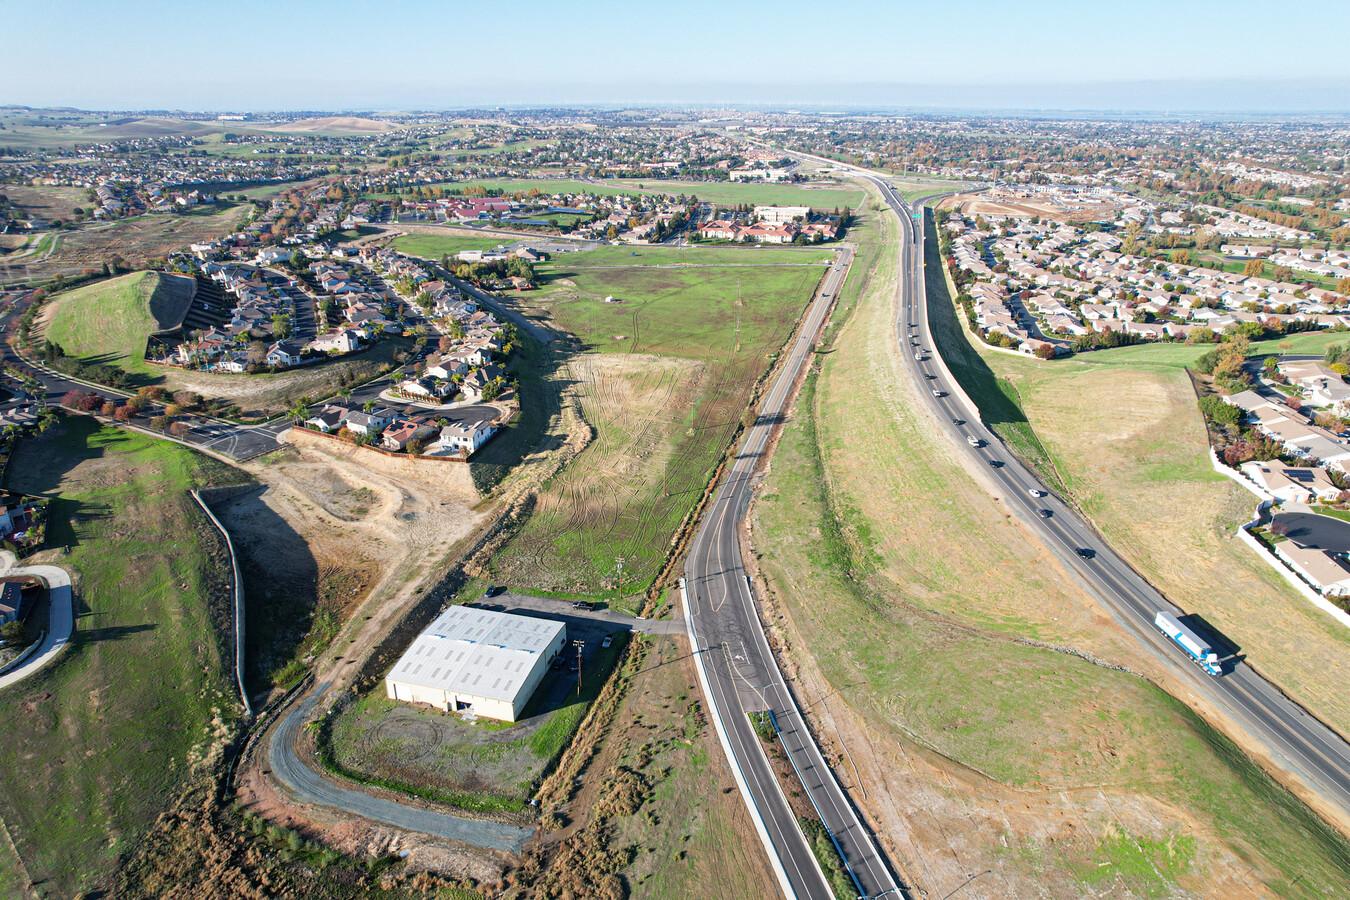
x=919, y=472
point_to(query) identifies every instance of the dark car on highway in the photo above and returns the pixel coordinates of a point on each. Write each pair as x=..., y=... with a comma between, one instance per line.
x=1085, y=552
x=996, y=463
x=1043, y=513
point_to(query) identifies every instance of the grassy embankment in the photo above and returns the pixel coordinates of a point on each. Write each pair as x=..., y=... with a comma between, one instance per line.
x=110, y=321
x=663, y=379
x=1120, y=432
x=914, y=595
x=104, y=739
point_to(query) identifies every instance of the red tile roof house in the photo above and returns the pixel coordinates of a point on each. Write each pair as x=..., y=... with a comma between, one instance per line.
x=397, y=435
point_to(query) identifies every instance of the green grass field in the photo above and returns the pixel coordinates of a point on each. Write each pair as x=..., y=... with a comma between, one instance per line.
x=663, y=380
x=912, y=594
x=694, y=255
x=434, y=246
x=101, y=741
x=109, y=321
x=823, y=197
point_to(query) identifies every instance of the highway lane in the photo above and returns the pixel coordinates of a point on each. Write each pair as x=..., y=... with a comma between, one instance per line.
x=1301, y=745
x=742, y=673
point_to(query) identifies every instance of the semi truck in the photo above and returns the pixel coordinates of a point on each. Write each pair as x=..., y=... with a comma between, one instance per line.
x=1195, y=646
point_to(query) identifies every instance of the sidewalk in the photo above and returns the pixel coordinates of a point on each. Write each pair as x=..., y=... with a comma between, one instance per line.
x=62, y=616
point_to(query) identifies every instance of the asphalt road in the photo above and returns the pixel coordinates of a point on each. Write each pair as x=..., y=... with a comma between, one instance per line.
x=313, y=788
x=1312, y=530
x=1301, y=745
x=741, y=671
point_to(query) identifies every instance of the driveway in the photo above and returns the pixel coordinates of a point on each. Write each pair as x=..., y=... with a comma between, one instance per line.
x=61, y=620
x=580, y=623
x=1322, y=532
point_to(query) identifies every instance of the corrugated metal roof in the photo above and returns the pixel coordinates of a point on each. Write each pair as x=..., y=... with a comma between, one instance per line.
x=477, y=651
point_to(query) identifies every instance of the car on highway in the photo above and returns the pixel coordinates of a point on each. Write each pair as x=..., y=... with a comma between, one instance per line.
x=996, y=463
x=974, y=441
x=937, y=393
x=919, y=357
x=958, y=421
x=1043, y=513
x=1035, y=493
x=1085, y=552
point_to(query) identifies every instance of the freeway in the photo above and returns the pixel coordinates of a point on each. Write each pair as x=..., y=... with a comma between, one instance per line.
x=1300, y=745
x=741, y=674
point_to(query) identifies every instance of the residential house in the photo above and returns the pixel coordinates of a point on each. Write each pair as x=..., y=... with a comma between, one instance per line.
x=466, y=437
x=1325, y=571
x=284, y=353
x=1291, y=483
x=397, y=435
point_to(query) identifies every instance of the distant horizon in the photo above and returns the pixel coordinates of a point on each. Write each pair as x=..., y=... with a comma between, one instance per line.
x=1224, y=99
x=1049, y=55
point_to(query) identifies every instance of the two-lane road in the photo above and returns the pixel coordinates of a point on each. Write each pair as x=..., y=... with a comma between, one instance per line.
x=742, y=673
x=1301, y=745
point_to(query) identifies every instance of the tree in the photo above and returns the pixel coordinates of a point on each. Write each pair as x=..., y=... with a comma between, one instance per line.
x=281, y=326
x=15, y=633
x=1255, y=268
x=1282, y=273
x=180, y=430
x=1343, y=287
x=299, y=411
x=108, y=409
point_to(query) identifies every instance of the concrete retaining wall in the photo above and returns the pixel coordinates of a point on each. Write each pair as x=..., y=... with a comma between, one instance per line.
x=238, y=603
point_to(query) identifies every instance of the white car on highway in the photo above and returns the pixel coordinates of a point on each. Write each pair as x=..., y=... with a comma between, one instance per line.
x=1035, y=493
x=974, y=441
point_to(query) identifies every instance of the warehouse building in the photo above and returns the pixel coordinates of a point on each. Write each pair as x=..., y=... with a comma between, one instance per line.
x=476, y=660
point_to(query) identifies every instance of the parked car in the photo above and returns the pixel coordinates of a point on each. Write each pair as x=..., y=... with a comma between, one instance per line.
x=585, y=606
x=609, y=639
x=495, y=590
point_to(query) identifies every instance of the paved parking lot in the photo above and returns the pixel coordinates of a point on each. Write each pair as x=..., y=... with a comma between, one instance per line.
x=589, y=626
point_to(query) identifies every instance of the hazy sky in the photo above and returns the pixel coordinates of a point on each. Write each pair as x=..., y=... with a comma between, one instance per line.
x=343, y=54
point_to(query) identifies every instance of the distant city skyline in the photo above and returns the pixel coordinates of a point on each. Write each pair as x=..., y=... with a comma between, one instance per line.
x=1040, y=54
